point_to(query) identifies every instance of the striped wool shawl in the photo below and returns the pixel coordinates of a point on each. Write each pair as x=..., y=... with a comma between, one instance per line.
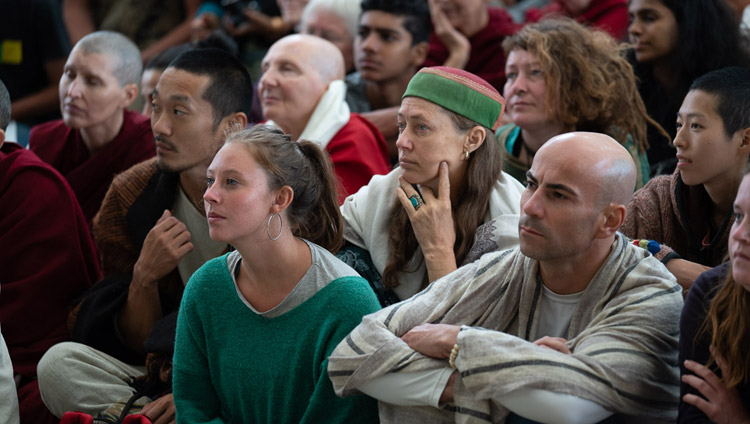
x=623, y=337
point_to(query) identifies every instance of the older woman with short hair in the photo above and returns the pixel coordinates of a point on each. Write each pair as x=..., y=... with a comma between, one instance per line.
x=448, y=200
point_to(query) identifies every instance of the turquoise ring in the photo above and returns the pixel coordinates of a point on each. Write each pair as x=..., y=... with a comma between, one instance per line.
x=416, y=201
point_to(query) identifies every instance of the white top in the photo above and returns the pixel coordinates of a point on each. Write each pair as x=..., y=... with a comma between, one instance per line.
x=555, y=313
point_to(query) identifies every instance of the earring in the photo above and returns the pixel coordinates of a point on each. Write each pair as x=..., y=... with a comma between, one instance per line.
x=268, y=226
x=466, y=155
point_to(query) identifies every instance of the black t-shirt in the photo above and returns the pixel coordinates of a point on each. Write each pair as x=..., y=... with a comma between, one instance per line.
x=31, y=33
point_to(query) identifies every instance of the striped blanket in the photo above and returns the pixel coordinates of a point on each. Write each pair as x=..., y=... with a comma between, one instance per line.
x=623, y=337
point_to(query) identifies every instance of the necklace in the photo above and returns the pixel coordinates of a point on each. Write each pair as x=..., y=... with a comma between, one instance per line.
x=529, y=153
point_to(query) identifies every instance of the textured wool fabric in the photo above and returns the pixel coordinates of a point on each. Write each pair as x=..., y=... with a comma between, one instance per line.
x=674, y=214
x=623, y=339
x=233, y=365
x=460, y=92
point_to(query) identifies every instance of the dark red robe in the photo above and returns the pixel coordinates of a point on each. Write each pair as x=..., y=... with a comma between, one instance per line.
x=358, y=151
x=47, y=261
x=487, y=59
x=90, y=175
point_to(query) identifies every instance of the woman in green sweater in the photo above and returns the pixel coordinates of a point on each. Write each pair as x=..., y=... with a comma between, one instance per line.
x=256, y=326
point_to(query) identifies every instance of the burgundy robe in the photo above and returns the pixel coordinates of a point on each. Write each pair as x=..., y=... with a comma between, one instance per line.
x=90, y=175
x=47, y=261
x=487, y=59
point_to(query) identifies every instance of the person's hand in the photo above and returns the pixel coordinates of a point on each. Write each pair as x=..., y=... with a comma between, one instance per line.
x=291, y=10
x=721, y=404
x=432, y=223
x=459, y=48
x=160, y=411
x=555, y=343
x=165, y=246
x=433, y=340
x=202, y=26
x=685, y=271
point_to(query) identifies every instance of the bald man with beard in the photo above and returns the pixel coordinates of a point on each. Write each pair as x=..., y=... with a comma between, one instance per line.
x=302, y=92
x=574, y=326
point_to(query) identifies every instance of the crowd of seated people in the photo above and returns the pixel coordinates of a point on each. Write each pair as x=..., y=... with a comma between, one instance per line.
x=308, y=211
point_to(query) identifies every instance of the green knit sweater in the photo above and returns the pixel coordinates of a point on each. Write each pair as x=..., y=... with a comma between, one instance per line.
x=232, y=365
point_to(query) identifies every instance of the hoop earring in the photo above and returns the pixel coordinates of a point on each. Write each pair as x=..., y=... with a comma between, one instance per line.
x=268, y=226
x=466, y=155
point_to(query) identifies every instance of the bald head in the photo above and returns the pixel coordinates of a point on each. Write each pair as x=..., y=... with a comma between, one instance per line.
x=321, y=55
x=597, y=159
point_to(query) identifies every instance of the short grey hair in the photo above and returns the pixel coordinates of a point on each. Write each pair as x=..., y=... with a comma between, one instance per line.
x=349, y=10
x=129, y=64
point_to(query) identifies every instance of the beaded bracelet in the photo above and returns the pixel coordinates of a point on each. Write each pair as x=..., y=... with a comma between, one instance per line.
x=650, y=245
x=454, y=355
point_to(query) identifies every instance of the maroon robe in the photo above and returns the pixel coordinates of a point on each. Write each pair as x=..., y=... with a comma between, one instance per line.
x=487, y=59
x=90, y=175
x=47, y=261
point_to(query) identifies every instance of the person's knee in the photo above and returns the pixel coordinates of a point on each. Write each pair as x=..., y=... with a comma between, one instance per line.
x=51, y=374
x=54, y=360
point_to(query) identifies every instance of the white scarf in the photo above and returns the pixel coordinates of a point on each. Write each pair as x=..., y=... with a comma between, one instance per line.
x=330, y=115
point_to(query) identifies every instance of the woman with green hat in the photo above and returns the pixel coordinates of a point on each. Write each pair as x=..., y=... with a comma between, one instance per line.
x=447, y=202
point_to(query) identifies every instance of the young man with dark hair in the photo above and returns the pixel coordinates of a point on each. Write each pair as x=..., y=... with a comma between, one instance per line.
x=390, y=46
x=152, y=235
x=98, y=137
x=48, y=261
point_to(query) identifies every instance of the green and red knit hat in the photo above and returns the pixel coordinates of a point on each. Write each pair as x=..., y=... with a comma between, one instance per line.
x=460, y=92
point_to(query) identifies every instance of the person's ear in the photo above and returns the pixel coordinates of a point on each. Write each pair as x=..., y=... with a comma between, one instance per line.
x=131, y=93
x=419, y=53
x=234, y=122
x=283, y=197
x=611, y=220
x=474, y=138
x=745, y=140
x=2, y=138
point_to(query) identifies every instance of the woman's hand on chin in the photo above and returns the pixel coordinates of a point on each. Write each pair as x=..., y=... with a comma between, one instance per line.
x=431, y=218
